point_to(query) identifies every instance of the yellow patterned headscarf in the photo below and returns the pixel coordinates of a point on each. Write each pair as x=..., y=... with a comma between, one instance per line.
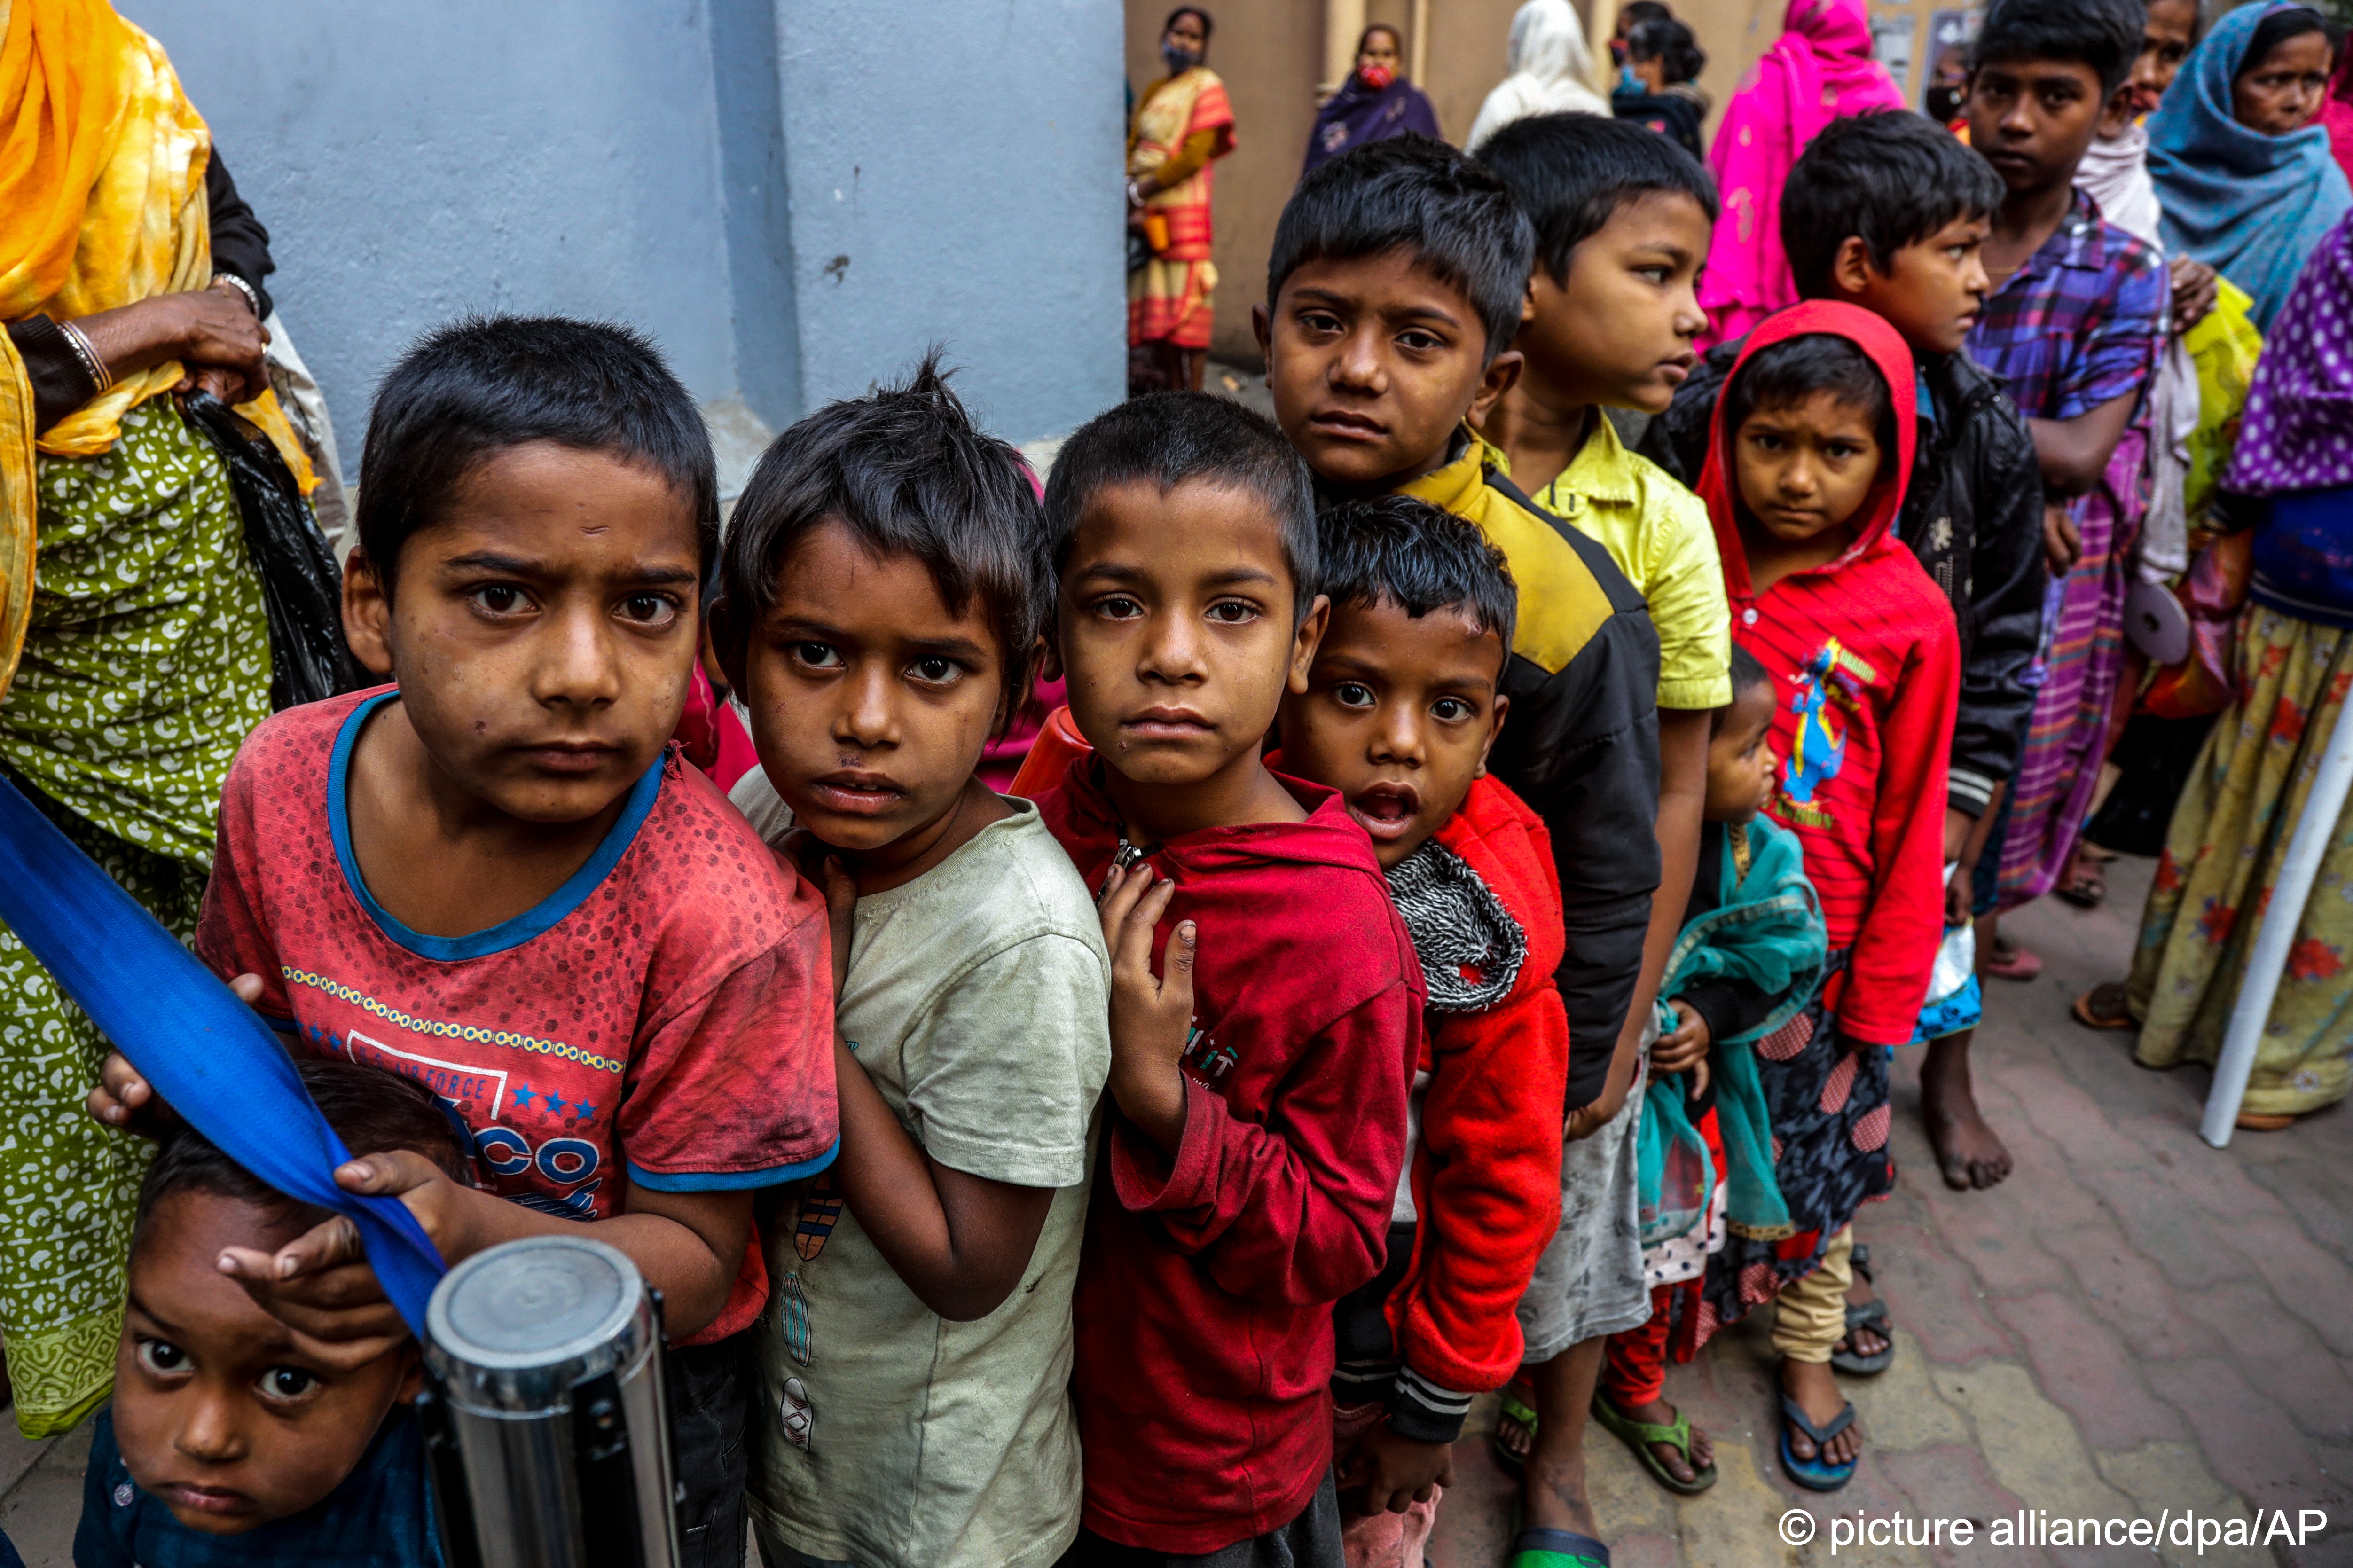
x=102, y=180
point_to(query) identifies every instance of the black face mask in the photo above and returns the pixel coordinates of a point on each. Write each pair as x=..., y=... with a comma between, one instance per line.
x=1180, y=59
x=1944, y=104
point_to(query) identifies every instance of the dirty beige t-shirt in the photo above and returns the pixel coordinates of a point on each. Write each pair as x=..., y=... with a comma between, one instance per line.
x=884, y=1435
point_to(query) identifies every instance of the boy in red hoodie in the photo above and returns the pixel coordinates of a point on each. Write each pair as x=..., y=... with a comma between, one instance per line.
x=1259, y=1084
x=1811, y=442
x=1401, y=708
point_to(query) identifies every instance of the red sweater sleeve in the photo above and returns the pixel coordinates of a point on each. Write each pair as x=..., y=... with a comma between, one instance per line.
x=1297, y=1210
x=1490, y=1199
x=1895, y=944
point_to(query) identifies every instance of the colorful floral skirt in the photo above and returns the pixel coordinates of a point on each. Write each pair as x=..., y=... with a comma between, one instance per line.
x=1830, y=1117
x=146, y=664
x=1171, y=302
x=2223, y=853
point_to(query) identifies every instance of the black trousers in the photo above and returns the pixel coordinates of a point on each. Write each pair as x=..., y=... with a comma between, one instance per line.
x=709, y=1395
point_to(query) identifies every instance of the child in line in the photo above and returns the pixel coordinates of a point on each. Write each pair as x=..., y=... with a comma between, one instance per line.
x=1397, y=281
x=2073, y=327
x=497, y=879
x=1749, y=959
x=1890, y=212
x=230, y=1440
x=1622, y=222
x=1401, y=708
x=1805, y=470
x=1259, y=1084
x=885, y=583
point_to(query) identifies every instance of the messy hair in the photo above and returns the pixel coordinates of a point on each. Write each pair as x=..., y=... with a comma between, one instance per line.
x=1571, y=172
x=1890, y=178
x=1786, y=373
x=907, y=472
x=1396, y=549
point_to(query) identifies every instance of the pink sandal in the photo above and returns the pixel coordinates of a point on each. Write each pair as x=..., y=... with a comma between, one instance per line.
x=2007, y=960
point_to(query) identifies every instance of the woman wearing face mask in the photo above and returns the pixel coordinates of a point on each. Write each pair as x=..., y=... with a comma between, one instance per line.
x=1666, y=95
x=1183, y=123
x=1375, y=101
x=2242, y=170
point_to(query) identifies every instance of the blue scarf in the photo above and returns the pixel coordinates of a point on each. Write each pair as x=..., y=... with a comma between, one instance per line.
x=1767, y=929
x=2252, y=206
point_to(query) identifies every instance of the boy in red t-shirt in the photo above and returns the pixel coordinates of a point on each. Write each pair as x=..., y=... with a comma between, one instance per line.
x=1258, y=1088
x=495, y=877
x=1401, y=708
x=1807, y=461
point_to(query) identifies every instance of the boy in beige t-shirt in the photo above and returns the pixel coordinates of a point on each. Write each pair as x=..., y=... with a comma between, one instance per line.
x=885, y=587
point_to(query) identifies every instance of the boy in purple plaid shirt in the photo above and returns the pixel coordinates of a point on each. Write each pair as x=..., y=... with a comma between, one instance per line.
x=2074, y=326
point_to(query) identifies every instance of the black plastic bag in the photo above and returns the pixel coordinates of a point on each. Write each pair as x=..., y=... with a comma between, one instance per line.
x=309, y=659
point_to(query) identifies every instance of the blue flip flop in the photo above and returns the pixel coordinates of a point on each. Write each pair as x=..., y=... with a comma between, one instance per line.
x=1558, y=1549
x=1812, y=1474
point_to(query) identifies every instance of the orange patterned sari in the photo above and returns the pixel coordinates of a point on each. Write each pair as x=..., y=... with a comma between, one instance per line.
x=1168, y=298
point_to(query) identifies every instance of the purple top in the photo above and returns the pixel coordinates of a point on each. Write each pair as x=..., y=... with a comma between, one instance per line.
x=1356, y=114
x=2298, y=433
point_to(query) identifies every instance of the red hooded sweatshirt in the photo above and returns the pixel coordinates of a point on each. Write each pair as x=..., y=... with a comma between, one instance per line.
x=1868, y=665
x=1203, y=1309
x=1486, y=1172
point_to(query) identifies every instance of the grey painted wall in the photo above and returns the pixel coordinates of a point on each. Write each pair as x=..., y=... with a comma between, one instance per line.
x=696, y=167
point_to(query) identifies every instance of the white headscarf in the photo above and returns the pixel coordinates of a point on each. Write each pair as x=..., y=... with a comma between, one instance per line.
x=1551, y=66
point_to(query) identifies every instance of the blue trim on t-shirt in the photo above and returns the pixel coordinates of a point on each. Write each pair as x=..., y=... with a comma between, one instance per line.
x=507, y=933
x=729, y=1181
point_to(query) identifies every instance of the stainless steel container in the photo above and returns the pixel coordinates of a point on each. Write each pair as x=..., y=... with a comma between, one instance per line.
x=548, y=1415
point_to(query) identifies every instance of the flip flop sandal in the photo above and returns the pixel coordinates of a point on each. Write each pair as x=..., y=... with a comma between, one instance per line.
x=2085, y=889
x=2087, y=1013
x=1812, y=1474
x=1859, y=1261
x=1558, y=1549
x=1518, y=1411
x=2020, y=965
x=1870, y=1315
x=1640, y=1435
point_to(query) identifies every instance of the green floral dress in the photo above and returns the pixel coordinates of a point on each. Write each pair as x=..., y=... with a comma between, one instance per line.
x=2223, y=853
x=146, y=664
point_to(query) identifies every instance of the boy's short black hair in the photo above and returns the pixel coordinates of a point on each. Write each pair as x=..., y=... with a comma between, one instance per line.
x=371, y=1110
x=1786, y=373
x=2104, y=35
x=2277, y=28
x=468, y=391
x=1397, y=550
x=1411, y=193
x=1171, y=438
x=1571, y=172
x=906, y=471
x=1890, y=177
x=1664, y=39
x=1748, y=673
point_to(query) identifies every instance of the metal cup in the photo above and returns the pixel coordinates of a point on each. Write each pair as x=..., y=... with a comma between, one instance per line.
x=547, y=1417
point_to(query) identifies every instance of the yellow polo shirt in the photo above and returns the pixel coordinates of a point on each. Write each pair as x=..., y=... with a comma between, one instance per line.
x=1659, y=534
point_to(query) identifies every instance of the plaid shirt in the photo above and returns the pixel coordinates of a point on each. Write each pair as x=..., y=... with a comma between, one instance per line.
x=2080, y=323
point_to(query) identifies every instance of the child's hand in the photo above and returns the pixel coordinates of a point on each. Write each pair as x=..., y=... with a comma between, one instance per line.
x=1395, y=1472
x=320, y=1284
x=124, y=1098
x=1151, y=1015
x=1687, y=1047
x=2063, y=542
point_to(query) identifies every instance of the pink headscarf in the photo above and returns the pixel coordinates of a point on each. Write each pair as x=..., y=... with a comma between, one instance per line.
x=1821, y=68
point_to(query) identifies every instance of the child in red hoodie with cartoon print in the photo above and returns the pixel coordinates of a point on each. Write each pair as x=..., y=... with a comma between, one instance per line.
x=1259, y=1078
x=1806, y=464
x=1401, y=706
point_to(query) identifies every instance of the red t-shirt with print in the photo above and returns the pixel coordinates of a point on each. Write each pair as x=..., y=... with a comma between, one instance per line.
x=664, y=1018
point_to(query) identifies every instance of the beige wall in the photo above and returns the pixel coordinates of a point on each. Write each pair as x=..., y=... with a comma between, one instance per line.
x=1270, y=54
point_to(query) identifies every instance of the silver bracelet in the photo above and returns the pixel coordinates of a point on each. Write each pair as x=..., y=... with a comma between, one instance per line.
x=252, y=297
x=88, y=353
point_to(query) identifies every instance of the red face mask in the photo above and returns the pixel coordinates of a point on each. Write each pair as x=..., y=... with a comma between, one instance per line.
x=1378, y=77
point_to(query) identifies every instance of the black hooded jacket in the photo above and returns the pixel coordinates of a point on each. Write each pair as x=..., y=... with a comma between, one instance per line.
x=1973, y=515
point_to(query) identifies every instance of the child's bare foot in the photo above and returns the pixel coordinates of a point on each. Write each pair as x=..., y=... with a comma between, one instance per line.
x=1515, y=1426
x=1685, y=1467
x=1816, y=1389
x=1968, y=1151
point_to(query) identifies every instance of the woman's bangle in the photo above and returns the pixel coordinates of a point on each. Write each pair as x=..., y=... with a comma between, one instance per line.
x=88, y=354
x=252, y=298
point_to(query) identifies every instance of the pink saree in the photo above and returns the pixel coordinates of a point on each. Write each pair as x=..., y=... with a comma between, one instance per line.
x=1820, y=68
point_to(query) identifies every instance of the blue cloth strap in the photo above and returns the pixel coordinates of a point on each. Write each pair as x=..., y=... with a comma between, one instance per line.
x=206, y=1053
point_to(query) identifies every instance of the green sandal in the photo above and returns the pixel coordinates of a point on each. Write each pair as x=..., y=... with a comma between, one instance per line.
x=1640, y=1435
x=1514, y=1410
x=1558, y=1549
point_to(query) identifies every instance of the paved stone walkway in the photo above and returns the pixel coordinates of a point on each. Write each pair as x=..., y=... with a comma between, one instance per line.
x=2134, y=1325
